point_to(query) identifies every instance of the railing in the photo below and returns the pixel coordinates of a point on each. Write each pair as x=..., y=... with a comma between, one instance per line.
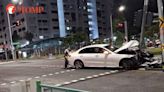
x=50, y=88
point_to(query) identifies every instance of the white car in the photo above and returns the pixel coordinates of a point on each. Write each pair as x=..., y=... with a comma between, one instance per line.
x=100, y=56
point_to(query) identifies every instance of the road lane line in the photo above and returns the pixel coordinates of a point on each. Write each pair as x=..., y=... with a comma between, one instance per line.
x=57, y=85
x=81, y=79
x=68, y=70
x=57, y=73
x=13, y=82
x=44, y=75
x=107, y=73
x=87, y=78
x=73, y=81
x=3, y=84
x=62, y=72
x=37, y=77
x=29, y=79
x=50, y=74
x=95, y=75
x=66, y=83
x=21, y=80
x=101, y=74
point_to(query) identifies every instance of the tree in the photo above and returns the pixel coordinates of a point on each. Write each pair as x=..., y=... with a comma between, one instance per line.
x=150, y=31
x=29, y=36
x=75, y=38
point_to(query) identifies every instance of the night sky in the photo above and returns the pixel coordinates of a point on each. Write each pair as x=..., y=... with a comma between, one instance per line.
x=132, y=6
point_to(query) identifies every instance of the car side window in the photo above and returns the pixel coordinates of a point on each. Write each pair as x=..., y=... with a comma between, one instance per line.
x=87, y=50
x=92, y=50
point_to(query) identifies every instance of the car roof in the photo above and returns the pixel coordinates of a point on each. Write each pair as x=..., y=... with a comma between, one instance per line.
x=97, y=45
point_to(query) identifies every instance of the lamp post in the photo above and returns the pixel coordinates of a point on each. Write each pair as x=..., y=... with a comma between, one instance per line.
x=161, y=17
x=111, y=26
x=121, y=9
x=145, y=9
x=10, y=36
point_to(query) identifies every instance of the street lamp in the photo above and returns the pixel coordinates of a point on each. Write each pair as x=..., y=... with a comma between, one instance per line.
x=121, y=9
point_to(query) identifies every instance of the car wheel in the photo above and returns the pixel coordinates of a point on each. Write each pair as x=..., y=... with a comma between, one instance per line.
x=78, y=64
x=125, y=64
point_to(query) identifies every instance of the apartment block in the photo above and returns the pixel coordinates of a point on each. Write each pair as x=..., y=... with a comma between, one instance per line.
x=59, y=19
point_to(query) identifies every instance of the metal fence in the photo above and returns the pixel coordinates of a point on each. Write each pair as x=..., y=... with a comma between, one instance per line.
x=50, y=88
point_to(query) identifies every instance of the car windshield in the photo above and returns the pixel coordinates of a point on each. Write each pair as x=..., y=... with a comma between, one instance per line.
x=111, y=48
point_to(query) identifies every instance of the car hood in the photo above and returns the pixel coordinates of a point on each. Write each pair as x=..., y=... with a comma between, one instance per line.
x=129, y=45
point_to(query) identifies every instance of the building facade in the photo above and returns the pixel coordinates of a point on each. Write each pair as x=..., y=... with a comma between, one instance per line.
x=59, y=19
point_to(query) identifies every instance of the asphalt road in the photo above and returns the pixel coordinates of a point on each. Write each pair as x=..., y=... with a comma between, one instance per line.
x=51, y=72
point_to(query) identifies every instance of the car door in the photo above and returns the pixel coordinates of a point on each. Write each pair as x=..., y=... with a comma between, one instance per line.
x=110, y=59
x=106, y=57
x=92, y=57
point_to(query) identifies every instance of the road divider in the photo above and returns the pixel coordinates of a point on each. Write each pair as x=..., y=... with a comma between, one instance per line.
x=37, y=77
x=88, y=78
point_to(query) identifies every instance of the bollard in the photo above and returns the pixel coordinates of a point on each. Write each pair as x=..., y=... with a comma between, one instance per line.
x=50, y=56
x=38, y=86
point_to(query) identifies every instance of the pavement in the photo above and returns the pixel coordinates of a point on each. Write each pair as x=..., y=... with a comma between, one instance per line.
x=51, y=72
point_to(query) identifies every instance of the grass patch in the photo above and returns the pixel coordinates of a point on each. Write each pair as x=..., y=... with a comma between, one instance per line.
x=155, y=51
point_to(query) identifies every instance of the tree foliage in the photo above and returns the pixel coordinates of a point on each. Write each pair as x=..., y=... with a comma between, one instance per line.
x=15, y=36
x=75, y=38
x=152, y=30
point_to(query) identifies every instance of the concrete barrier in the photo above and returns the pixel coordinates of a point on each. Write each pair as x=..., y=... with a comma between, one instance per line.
x=25, y=86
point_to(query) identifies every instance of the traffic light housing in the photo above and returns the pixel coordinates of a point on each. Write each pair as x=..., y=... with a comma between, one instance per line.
x=120, y=25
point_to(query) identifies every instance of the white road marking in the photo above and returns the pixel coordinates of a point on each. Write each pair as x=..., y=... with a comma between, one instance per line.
x=37, y=77
x=66, y=83
x=72, y=69
x=114, y=71
x=29, y=79
x=44, y=75
x=95, y=76
x=21, y=80
x=89, y=77
x=82, y=79
x=101, y=74
x=74, y=81
x=107, y=73
x=57, y=85
x=57, y=73
x=3, y=84
x=50, y=74
x=7, y=62
x=68, y=70
x=62, y=72
x=13, y=82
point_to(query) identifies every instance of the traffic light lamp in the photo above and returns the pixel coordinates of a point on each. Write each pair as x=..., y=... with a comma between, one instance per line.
x=18, y=23
x=120, y=25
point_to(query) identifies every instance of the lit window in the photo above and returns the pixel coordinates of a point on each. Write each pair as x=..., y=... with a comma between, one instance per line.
x=90, y=10
x=90, y=23
x=90, y=16
x=89, y=4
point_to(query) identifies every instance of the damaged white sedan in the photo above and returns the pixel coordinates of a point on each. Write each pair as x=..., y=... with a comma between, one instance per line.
x=100, y=55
